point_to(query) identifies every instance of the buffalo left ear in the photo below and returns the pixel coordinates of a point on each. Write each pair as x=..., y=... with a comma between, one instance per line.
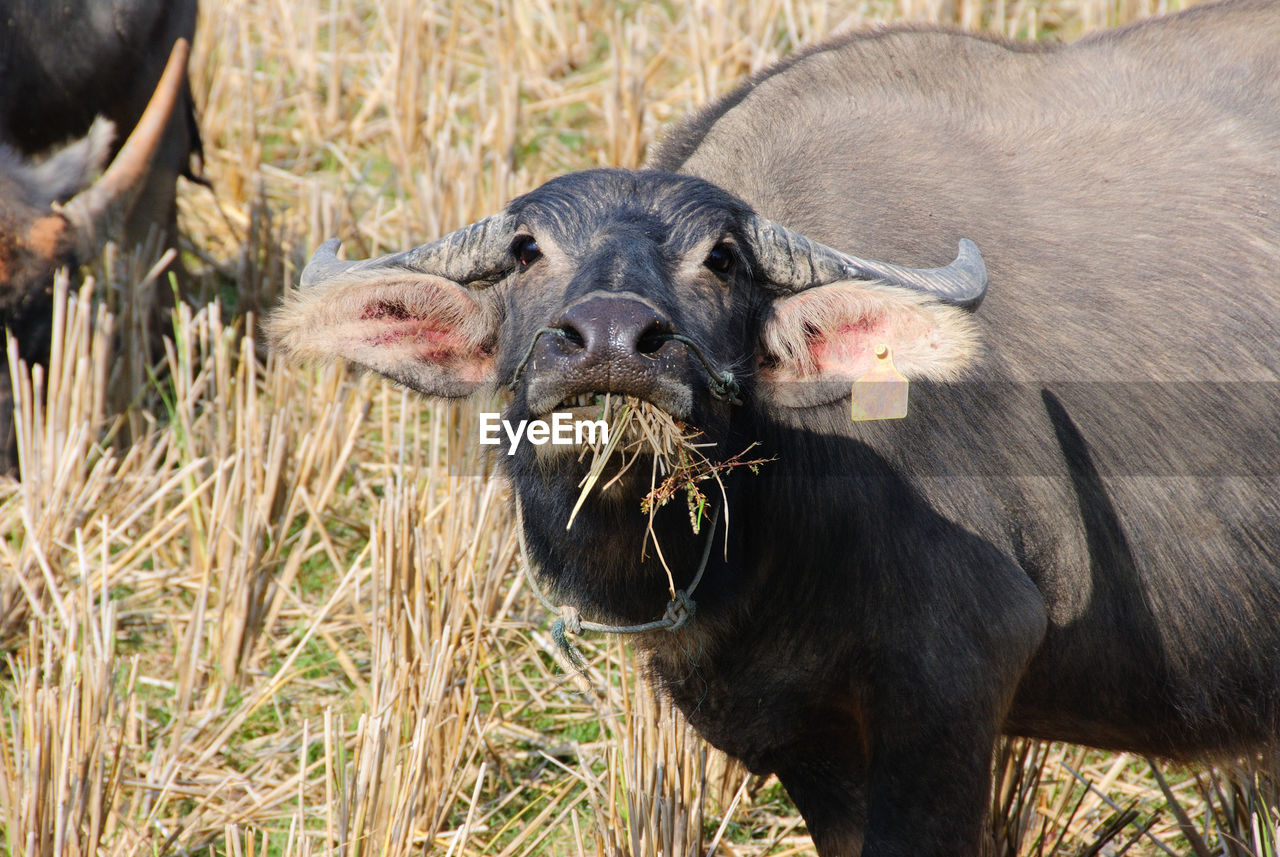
x=423, y=331
x=815, y=344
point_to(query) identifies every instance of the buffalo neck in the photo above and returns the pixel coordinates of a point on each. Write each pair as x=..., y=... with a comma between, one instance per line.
x=606, y=564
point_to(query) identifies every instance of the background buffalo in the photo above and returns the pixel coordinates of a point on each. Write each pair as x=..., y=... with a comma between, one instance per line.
x=74, y=81
x=64, y=64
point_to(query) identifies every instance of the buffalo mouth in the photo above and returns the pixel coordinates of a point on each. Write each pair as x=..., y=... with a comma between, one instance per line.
x=600, y=405
x=636, y=427
x=650, y=453
x=672, y=397
x=583, y=406
x=612, y=408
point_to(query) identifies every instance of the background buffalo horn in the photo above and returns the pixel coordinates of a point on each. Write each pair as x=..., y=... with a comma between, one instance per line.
x=474, y=253
x=793, y=262
x=97, y=211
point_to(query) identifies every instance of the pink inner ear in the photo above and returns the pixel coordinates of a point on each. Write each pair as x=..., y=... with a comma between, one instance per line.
x=831, y=333
x=845, y=350
x=424, y=340
x=430, y=339
x=431, y=324
x=425, y=332
x=432, y=336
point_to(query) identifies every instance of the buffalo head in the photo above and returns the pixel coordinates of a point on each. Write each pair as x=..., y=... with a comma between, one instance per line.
x=56, y=215
x=648, y=284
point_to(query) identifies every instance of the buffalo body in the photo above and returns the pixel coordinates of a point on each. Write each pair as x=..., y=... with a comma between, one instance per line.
x=1075, y=532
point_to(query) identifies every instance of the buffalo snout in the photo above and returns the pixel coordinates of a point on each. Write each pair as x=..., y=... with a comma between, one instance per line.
x=610, y=344
x=612, y=330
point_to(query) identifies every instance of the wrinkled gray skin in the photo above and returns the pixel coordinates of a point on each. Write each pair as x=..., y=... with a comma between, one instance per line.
x=1079, y=542
x=62, y=65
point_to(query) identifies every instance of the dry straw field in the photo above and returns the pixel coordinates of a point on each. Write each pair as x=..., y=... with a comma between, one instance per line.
x=246, y=609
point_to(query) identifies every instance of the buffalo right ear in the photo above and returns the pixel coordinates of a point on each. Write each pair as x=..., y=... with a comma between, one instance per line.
x=422, y=331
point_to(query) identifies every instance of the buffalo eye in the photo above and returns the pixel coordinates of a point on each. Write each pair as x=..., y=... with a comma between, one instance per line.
x=526, y=251
x=720, y=260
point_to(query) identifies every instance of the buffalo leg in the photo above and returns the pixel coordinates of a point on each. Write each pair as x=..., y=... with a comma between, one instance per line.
x=929, y=796
x=925, y=797
x=834, y=807
x=924, y=793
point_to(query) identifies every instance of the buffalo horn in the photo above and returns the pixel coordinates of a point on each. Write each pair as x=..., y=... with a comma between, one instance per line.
x=474, y=253
x=793, y=263
x=97, y=211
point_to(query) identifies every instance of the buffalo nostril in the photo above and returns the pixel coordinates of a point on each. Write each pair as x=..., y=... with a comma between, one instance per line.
x=652, y=339
x=572, y=337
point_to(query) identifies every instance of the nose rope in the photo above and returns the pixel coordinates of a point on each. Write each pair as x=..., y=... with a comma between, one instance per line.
x=679, y=611
x=721, y=382
x=528, y=354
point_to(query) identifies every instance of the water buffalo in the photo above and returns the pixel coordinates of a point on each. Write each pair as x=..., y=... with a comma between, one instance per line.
x=1074, y=533
x=83, y=70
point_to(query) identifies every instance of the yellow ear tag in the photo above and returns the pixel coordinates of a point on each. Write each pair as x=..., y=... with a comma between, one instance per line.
x=881, y=394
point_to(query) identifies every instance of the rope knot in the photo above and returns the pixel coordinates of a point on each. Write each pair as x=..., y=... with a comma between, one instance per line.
x=725, y=388
x=568, y=623
x=679, y=610
x=571, y=618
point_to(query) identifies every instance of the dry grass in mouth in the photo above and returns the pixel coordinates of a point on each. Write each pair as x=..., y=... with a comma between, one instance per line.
x=639, y=428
